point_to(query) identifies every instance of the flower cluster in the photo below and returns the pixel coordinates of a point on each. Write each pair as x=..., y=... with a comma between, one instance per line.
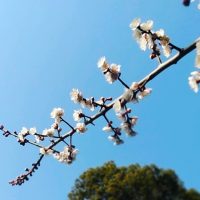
x=147, y=38
x=25, y=132
x=127, y=122
x=134, y=94
x=68, y=155
x=57, y=114
x=111, y=71
x=77, y=97
x=115, y=138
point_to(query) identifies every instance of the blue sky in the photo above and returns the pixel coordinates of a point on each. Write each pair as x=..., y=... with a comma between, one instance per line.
x=49, y=47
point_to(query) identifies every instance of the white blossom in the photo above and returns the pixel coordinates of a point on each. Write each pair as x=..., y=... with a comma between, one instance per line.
x=143, y=42
x=48, y=132
x=160, y=33
x=88, y=103
x=135, y=23
x=115, y=139
x=196, y=75
x=127, y=128
x=194, y=81
x=102, y=64
x=76, y=96
x=117, y=106
x=37, y=138
x=166, y=50
x=134, y=86
x=150, y=41
x=21, y=135
x=128, y=96
x=197, y=59
x=144, y=93
x=77, y=115
x=57, y=113
x=121, y=116
x=45, y=151
x=67, y=155
x=113, y=73
x=24, y=131
x=33, y=131
x=107, y=128
x=81, y=128
x=137, y=34
x=133, y=120
x=147, y=26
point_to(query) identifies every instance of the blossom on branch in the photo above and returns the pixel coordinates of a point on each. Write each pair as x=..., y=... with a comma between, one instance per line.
x=194, y=81
x=144, y=93
x=115, y=139
x=102, y=64
x=111, y=71
x=57, y=114
x=197, y=59
x=146, y=37
x=68, y=155
x=44, y=151
x=81, y=128
x=48, y=132
x=77, y=115
x=76, y=96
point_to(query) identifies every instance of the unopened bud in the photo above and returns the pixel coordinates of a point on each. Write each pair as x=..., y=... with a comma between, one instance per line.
x=186, y=2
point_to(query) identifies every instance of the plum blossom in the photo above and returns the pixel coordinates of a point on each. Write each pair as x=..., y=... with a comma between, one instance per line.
x=134, y=86
x=77, y=115
x=141, y=33
x=68, y=155
x=166, y=50
x=76, y=96
x=113, y=73
x=102, y=64
x=87, y=103
x=107, y=128
x=22, y=134
x=121, y=116
x=48, y=132
x=117, y=106
x=57, y=114
x=135, y=23
x=197, y=59
x=127, y=128
x=144, y=93
x=32, y=131
x=45, y=151
x=147, y=26
x=115, y=139
x=128, y=125
x=81, y=128
x=194, y=81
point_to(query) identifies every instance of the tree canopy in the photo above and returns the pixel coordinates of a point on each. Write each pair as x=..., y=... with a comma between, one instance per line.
x=134, y=182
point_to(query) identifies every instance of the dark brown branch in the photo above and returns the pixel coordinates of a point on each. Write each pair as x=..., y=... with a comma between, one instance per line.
x=29, y=172
x=6, y=133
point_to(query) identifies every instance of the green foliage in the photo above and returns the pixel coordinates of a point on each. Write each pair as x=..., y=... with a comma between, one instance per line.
x=134, y=182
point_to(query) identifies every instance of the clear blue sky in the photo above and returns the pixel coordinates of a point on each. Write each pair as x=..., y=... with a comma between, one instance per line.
x=49, y=47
